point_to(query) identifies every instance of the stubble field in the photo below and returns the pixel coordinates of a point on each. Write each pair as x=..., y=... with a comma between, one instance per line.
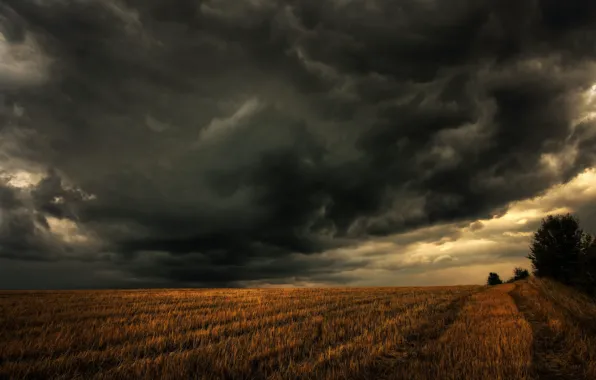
x=530, y=329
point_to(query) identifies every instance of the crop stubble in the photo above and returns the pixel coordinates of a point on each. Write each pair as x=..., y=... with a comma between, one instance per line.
x=417, y=333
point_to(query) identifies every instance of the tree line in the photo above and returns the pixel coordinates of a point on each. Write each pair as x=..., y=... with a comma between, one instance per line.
x=560, y=250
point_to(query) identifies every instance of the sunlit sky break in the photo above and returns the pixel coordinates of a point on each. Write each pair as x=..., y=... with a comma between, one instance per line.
x=229, y=143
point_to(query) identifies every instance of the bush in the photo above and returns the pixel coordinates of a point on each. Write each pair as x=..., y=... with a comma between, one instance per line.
x=493, y=279
x=520, y=274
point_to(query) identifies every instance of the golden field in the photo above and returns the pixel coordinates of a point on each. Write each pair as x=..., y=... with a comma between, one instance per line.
x=526, y=330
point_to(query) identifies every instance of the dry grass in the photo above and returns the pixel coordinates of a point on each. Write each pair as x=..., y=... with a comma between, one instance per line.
x=415, y=333
x=489, y=340
x=564, y=324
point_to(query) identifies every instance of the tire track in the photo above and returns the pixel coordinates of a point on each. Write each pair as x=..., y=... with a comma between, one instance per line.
x=415, y=341
x=548, y=346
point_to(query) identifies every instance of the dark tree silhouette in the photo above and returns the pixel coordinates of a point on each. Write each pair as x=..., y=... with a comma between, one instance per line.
x=588, y=268
x=493, y=279
x=520, y=274
x=557, y=248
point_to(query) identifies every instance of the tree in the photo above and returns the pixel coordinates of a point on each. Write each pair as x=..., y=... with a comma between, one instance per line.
x=520, y=274
x=557, y=248
x=588, y=269
x=493, y=279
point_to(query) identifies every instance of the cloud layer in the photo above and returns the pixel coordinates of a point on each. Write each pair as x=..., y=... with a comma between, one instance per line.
x=227, y=142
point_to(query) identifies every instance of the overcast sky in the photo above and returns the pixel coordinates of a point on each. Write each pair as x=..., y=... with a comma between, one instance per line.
x=289, y=143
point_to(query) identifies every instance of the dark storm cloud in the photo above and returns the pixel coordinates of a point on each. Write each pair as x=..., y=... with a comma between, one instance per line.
x=11, y=26
x=23, y=231
x=209, y=141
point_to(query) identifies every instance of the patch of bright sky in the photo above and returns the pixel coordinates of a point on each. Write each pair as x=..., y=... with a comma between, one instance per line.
x=67, y=230
x=23, y=179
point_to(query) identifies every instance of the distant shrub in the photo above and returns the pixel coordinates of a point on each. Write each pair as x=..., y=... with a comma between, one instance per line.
x=493, y=279
x=520, y=274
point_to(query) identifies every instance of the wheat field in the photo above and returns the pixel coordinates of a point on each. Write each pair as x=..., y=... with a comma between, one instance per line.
x=525, y=330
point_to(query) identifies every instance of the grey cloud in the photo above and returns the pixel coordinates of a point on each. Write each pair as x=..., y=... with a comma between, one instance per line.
x=476, y=226
x=231, y=135
x=26, y=234
x=442, y=259
x=23, y=232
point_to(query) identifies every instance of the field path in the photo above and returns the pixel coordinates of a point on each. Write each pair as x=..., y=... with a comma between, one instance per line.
x=485, y=337
x=549, y=351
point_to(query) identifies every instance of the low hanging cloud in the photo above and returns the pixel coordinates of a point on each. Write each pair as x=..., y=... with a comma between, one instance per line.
x=232, y=143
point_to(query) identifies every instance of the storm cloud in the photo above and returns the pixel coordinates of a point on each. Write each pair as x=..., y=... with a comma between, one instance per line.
x=222, y=142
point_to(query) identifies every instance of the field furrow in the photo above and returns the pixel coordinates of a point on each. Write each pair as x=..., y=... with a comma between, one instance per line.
x=489, y=338
x=563, y=340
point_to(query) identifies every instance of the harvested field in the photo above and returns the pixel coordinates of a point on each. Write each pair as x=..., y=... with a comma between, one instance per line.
x=511, y=331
